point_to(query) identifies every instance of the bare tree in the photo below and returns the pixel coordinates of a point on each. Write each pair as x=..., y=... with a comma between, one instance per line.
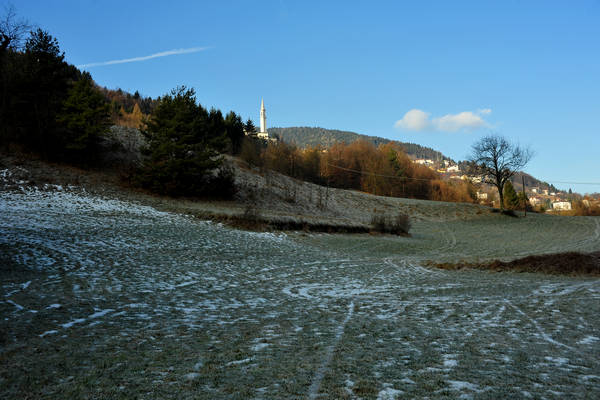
x=496, y=160
x=12, y=30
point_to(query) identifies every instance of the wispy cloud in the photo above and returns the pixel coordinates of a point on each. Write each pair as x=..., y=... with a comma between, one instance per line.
x=418, y=120
x=144, y=58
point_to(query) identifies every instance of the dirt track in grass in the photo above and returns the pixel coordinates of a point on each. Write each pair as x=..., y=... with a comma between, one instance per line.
x=107, y=298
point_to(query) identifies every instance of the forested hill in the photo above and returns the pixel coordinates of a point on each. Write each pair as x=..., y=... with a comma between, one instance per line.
x=304, y=136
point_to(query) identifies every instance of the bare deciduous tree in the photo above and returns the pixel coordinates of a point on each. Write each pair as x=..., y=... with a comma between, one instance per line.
x=12, y=30
x=496, y=160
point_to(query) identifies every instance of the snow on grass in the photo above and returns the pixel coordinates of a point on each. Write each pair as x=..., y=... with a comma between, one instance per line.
x=389, y=393
x=142, y=295
x=71, y=323
x=589, y=340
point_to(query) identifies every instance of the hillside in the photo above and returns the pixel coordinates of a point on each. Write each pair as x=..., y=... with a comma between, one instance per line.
x=304, y=136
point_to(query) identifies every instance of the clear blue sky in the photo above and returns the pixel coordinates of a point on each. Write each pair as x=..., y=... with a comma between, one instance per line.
x=529, y=70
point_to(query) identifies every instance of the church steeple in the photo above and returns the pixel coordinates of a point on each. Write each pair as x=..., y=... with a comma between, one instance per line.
x=263, y=117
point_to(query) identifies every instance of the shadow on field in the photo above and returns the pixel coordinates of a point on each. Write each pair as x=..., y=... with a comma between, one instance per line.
x=570, y=263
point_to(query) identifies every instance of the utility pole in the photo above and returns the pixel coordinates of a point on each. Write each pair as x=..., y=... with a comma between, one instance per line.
x=524, y=195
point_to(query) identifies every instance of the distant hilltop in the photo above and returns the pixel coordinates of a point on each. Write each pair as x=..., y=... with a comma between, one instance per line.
x=304, y=136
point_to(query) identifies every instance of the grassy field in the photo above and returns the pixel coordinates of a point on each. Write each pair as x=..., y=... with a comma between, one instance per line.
x=108, y=299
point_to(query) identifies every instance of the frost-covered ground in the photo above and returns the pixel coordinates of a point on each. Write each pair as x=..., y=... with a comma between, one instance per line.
x=107, y=299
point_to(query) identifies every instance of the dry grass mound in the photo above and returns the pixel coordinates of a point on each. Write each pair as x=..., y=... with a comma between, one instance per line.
x=570, y=263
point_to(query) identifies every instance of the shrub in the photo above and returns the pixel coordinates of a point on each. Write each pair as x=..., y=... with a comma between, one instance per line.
x=397, y=225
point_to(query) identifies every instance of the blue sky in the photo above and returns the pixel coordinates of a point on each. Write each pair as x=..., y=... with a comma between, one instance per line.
x=438, y=73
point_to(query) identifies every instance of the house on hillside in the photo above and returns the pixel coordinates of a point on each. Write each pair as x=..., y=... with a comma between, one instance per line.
x=534, y=201
x=561, y=205
x=453, y=168
x=424, y=162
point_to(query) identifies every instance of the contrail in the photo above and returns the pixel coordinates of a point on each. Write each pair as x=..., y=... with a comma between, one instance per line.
x=144, y=58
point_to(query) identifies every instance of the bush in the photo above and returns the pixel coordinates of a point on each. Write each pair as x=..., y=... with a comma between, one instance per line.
x=398, y=225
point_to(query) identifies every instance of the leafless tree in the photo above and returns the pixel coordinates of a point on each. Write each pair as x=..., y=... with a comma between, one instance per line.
x=12, y=29
x=496, y=159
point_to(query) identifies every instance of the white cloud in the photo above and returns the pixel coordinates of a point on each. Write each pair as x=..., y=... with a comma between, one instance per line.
x=414, y=120
x=455, y=122
x=144, y=58
x=418, y=120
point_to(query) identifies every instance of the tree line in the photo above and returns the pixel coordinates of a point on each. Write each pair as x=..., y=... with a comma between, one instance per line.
x=51, y=108
x=384, y=170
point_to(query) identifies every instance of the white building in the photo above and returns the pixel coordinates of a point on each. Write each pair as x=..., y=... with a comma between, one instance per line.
x=561, y=205
x=482, y=195
x=424, y=162
x=453, y=168
x=263, y=134
x=534, y=201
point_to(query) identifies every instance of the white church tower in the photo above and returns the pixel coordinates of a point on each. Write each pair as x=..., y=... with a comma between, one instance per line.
x=263, y=134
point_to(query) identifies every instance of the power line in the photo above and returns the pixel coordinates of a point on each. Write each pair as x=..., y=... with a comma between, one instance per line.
x=383, y=176
x=422, y=179
x=576, y=183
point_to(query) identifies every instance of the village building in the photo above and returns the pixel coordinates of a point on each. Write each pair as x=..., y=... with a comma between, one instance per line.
x=561, y=205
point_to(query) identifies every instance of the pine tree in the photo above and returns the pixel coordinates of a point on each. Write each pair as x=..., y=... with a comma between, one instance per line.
x=511, y=200
x=235, y=131
x=83, y=120
x=183, y=151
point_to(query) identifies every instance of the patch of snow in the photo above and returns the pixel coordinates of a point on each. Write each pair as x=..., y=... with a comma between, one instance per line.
x=192, y=376
x=48, y=333
x=19, y=307
x=238, y=362
x=259, y=346
x=462, y=385
x=557, y=360
x=589, y=340
x=388, y=392
x=55, y=305
x=70, y=324
x=25, y=285
x=186, y=284
x=101, y=313
x=450, y=363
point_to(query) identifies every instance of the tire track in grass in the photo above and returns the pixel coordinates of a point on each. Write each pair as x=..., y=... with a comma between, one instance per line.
x=537, y=326
x=315, y=386
x=313, y=390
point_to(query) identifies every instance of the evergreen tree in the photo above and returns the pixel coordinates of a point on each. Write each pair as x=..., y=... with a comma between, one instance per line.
x=84, y=119
x=182, y=151
x=249, y=127
x=45, y=86
x=235, y=131
x=511, y=200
